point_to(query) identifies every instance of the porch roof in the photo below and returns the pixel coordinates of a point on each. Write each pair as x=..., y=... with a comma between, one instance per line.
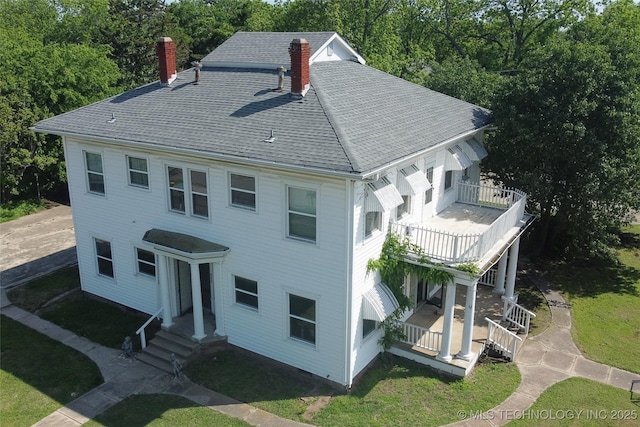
x=184, y=243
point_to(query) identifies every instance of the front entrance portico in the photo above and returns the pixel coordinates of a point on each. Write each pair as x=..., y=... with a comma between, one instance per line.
x=175, y=252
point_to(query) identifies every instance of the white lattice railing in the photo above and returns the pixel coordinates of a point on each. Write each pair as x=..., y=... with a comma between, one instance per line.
x=502, y=340
x=517, y=314
x=489, y=278
x=422, y=337
x=452, y=247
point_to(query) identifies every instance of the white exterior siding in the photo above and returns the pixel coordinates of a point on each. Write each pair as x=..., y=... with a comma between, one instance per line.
x=259, y=250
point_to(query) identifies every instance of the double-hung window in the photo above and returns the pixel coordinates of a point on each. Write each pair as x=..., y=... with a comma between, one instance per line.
x=95, y=173
x=146, y=261
x=301, y=213
x=138, y=172
x=246, y=292
x=302, y=318
x=188, y=191
x=428, y=194
x=104, y=257
x=243, y=191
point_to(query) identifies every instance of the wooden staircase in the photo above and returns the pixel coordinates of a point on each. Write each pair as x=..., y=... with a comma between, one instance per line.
x=159, y=349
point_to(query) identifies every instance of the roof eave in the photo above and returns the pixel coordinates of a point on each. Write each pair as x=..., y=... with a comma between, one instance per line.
x=354, y=175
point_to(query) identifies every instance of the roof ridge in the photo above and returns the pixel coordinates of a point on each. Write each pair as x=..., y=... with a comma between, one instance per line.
x=343, y=139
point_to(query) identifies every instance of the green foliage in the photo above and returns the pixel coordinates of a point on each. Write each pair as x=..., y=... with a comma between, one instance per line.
x=13, y=210
x=568, y=132
x=393, y=269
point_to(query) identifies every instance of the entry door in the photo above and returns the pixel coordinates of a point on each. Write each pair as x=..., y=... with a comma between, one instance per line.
x=434, y=294
x=184, y=301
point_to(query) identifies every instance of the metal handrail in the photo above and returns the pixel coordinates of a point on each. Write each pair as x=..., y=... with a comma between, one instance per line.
x=140, y=331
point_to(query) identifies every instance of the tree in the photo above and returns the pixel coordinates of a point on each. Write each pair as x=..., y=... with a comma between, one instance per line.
x=568, y=132
x=40, y=77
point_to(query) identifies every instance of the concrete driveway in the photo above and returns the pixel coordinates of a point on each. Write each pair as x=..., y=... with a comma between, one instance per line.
x=35, y=245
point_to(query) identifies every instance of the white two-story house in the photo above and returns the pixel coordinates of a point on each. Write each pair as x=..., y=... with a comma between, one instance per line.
x=250, y=192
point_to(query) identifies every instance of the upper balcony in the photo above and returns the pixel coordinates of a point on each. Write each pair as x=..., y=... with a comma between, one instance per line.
x=476, y=227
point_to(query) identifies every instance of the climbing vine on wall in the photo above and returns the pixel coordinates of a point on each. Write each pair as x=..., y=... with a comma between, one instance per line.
x=393, y=269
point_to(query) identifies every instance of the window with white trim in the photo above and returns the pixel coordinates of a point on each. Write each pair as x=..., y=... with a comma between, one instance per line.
x=95, y=173
x=448, y=179
x=302, y=318
x=428, y=194
x=372, y=222
x=243, y=191
x=301, y=213
x=188, y=192
x=146, y=262
x=368, y=326
x=246, y=292
x=404, y=208
x=104, y=257
x=138, y=172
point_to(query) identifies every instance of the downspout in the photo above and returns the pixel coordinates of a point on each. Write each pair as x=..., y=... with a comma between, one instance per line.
x=350, y=184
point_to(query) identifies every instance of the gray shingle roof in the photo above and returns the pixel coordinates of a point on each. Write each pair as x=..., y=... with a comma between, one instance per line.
x=354, y=119
x=263, y=48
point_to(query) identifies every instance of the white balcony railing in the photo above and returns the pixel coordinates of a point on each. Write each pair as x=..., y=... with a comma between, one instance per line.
x=422, y=337
x=451, y=247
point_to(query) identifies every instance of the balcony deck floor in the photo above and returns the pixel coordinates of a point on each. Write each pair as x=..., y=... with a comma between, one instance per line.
x=463, y=218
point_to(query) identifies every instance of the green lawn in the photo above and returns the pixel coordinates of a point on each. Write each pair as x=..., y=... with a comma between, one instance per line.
x=32, y=389
x=605, y=303
x=399, y=392
x=101, y=322
x=581, y=402
x=37, y=293
x=532, y=299
x=158, y=410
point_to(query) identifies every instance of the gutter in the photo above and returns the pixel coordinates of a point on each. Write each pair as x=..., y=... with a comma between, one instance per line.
x=359, y=176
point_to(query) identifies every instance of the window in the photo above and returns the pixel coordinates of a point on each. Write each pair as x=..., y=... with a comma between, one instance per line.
x=404, y=208
x=301, y=206
x=243, y=191
x=368, y=326
x=105, y=259
x=95, y=173
x=146, y=262
x=199, y=195
x=372, y=222
x=138, y=172
x=176, y=189
x=302, y=318
x=448, y=179
x=246, y=292
x=428, y=194
x=197, y=188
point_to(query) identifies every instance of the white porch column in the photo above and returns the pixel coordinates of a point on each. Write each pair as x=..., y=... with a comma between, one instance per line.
x=467, y=331
x=196, y=295
x=165, y=298
x=218, y=290
x=501, y=274
x=447, y=327
x=512, y=268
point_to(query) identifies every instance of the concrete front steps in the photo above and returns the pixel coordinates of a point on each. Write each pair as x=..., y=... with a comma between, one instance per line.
x=159, y=349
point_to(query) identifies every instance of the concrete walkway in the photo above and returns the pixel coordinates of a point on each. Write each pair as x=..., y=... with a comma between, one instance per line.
x=547, y=359
x=123, y=378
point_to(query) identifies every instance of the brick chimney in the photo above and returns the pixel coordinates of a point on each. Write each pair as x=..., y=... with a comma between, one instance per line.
x=166, y=50
x=299, y=51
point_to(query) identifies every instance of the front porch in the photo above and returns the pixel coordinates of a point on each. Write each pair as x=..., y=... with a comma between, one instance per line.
x=424, y=330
